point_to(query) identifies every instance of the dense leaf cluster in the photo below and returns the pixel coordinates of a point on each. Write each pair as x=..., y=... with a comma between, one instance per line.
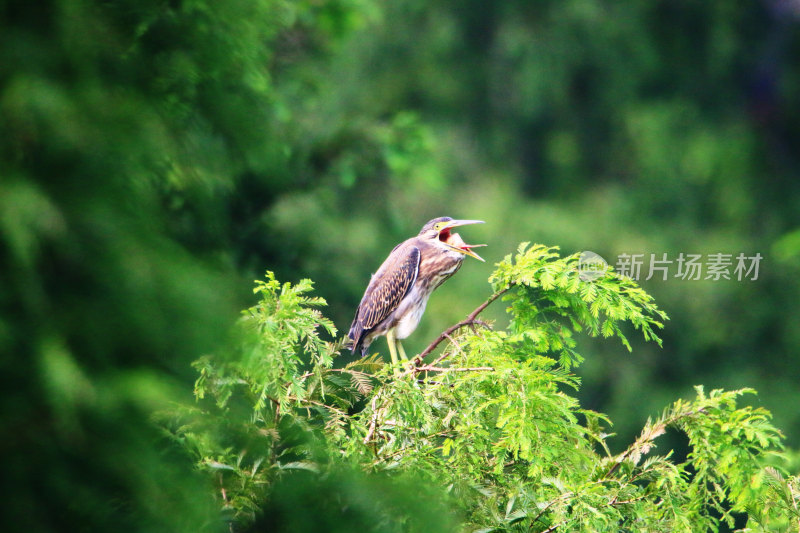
x=491, y=419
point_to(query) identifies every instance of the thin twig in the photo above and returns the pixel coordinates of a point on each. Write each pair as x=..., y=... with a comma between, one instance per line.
x=625, y=502
x=309, y=374
x=444, y=353
x=480, y=322
x=372, y=422
x=431, y=368
x=550, y=504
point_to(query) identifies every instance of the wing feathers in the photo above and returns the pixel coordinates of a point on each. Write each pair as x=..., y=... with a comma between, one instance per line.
x=386, y=290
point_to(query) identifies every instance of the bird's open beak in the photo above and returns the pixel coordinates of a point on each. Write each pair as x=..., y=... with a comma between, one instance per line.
x=455, y=241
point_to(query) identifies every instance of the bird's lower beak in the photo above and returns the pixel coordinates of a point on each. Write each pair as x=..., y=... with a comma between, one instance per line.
x=457, y=243
x=465, y=248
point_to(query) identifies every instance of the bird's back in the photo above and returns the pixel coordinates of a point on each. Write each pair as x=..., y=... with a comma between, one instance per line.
x=386, y=289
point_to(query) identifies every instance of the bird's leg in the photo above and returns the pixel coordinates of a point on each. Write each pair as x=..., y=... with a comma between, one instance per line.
x=402, y=351
x=391, y=340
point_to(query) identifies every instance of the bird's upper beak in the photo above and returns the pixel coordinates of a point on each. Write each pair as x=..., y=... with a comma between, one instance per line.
x=456, y=243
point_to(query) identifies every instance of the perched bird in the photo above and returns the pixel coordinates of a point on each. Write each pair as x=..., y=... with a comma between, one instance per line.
x=398, y=292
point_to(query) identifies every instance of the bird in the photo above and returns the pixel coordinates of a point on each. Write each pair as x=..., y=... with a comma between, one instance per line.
x=398, y=292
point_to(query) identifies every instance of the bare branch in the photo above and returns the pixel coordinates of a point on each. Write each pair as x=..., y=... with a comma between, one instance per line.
x=471, y=319
x=431, y=368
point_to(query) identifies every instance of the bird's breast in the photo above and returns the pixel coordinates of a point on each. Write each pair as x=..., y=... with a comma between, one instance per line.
x=412, y=313
x=411, y=309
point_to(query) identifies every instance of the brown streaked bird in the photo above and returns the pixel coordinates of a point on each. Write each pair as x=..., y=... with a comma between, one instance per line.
x=398, y=292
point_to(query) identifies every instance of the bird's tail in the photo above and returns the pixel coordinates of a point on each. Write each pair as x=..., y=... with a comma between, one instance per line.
x=357, y=338
x=359, y=347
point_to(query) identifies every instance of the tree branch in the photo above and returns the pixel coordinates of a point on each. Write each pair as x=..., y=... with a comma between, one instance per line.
x=471, y=319
x=432, y=368
x=651, y=432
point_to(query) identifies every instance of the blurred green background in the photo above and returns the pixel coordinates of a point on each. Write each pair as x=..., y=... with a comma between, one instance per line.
x=157, y=156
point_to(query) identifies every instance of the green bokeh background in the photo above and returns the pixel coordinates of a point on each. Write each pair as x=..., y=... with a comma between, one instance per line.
x=157, y=156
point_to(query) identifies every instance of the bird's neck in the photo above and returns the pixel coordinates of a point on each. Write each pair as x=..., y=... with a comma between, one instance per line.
x=444, y=271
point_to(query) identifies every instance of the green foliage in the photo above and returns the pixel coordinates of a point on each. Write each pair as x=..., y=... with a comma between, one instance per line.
x=551, y=301
x=124, y=128
x=346, y=500
x=249, y=399
x=283, y=321
x=155, y=155
x=492, y=418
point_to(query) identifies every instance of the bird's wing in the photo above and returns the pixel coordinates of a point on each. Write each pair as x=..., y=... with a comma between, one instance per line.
x=385, y=291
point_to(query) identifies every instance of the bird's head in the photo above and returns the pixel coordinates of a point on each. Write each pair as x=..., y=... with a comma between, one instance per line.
x=438, y=231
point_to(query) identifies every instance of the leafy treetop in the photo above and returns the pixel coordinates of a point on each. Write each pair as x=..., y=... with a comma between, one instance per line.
x=489, y=419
